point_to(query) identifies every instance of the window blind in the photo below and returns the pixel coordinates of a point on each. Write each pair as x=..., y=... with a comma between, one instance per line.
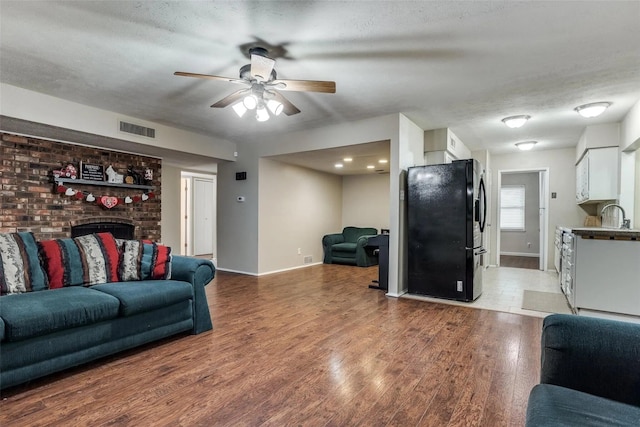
x=512, y=207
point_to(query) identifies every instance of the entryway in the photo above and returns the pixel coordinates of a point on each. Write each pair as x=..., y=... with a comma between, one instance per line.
x=523, y=218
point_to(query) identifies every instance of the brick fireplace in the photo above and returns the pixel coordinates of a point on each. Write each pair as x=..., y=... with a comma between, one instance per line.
x=29, y=200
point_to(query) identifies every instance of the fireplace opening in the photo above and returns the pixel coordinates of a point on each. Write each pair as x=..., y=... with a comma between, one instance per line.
x=120, y=228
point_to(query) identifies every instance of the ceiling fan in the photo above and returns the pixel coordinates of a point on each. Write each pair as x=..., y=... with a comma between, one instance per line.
x=262, y=93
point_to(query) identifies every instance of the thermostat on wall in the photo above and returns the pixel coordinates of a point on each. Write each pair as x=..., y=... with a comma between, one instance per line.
x=241, y=176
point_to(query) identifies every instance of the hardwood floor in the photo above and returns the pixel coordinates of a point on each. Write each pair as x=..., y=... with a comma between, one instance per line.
x=312, y=347
x=532, y=263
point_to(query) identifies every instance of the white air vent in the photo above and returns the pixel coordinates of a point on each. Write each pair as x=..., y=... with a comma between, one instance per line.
x=137, y=129
x=308, y=259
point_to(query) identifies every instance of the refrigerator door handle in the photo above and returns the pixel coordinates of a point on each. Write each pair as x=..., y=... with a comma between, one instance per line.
x=481, y=251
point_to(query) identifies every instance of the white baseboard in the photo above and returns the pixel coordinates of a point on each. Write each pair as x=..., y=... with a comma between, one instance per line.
x=228, y=270
x=520, y=254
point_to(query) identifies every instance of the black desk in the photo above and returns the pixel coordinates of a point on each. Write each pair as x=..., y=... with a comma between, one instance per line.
x=381, y=241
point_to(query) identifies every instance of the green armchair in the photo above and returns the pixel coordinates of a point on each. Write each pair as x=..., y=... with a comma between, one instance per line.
x=350, y=247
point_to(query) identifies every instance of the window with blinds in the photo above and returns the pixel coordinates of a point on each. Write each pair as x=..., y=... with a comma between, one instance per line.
x=512, y=207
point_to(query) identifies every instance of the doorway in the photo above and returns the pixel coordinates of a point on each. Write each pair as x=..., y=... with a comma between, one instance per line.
x=198, y=215
x=523, y=218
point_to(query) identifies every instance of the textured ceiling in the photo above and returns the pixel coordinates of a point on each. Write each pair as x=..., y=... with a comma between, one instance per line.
x=463, y=65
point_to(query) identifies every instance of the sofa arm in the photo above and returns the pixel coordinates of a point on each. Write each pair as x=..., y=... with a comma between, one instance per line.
x=595, y=356
x=198, y=272
x=328, y=241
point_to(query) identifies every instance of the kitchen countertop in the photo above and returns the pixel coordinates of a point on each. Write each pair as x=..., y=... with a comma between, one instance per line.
x=606, y=233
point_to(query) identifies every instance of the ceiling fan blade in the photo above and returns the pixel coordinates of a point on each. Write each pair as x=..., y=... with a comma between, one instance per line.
x=261, y=67
x=287, y=107
x=208, y=76
x=304, y=85
x=228, y=100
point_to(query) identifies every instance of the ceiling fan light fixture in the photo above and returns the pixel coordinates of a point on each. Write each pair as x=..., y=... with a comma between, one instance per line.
x=526, y=145
x=275, y=107
x=592, y=110
x=239, y=108
x=250, y=102
x=262, y=115
x=515, y=122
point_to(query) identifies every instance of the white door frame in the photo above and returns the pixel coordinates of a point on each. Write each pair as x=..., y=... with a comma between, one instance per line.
x=186, y=216
x=543, y=204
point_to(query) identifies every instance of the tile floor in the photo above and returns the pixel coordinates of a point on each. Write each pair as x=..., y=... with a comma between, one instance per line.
x=503, y=288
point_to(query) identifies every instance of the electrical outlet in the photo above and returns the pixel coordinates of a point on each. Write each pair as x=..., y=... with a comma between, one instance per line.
x=528, y=244
x=459, y=285
x=299, y=251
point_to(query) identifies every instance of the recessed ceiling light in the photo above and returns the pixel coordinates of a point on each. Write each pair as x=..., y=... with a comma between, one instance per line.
x=526, y=145
x=516, y=121
x=348, y=159
x=382, y=161
x=370, y=167
x=593, y=109
x=338, y=165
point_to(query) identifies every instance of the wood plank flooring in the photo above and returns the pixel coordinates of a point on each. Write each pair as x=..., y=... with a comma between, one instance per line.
x=532, y=263
x=312, y=347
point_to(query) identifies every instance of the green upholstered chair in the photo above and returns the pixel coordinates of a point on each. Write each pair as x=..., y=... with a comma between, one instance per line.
x=350, y=247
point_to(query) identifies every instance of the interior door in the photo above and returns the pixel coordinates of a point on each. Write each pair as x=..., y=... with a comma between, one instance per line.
x=203, y=216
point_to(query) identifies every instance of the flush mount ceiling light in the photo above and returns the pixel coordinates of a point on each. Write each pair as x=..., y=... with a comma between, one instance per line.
x=338, y=165
x=516, y=121
x=382, y=161
x=592, y=110
x=371, y=167
x=526, y=145
x=348, y=159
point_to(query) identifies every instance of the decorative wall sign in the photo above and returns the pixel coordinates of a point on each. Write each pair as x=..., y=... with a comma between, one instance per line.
x=91, y=172
x=107, y=202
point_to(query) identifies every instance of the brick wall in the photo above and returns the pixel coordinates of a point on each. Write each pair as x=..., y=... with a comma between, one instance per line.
x=29, y=202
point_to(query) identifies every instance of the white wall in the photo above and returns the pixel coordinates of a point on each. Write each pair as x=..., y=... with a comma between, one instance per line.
x=36, y=107
x=297, y=207
x=365, y=201
x=563, y=210
x=515, y=242
x=170, y=216
x=629, y=170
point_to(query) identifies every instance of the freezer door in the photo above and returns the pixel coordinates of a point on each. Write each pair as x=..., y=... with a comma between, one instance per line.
x=438, y=229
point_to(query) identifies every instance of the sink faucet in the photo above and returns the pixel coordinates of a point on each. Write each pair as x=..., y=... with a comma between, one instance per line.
x=626, y=223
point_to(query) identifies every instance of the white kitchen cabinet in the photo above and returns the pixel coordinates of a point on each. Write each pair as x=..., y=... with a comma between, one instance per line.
x=443, y=146
x=597, y=175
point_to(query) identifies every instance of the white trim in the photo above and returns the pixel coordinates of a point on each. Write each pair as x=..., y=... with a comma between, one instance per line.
x=529, y=254
x=269, y=272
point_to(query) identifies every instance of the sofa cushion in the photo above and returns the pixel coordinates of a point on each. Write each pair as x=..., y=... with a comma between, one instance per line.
x=551, y=405
x=142, y=260
x=38, y=313
x=344, y=247
x=84, y=260
x=20, y=269
x=140, y=296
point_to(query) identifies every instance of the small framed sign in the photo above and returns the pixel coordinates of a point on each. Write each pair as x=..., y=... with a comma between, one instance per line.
x=91, y=172
x=241, y=176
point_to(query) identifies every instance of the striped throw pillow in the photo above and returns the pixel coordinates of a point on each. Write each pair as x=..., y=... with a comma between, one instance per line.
x=80, y=261
x=144, y=260
x=20, y=269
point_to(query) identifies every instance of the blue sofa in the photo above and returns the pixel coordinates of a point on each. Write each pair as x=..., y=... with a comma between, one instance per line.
x=590, y=374
x=46, y=331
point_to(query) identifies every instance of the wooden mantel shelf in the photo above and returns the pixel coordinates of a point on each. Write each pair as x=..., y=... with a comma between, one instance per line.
x=101, y=183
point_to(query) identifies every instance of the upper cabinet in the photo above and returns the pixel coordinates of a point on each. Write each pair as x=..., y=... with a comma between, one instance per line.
x=598, y=136
x=598, y=164
x=443, y=146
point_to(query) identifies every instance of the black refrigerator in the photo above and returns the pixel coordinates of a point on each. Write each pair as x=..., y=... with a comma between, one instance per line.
x=447, y=209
